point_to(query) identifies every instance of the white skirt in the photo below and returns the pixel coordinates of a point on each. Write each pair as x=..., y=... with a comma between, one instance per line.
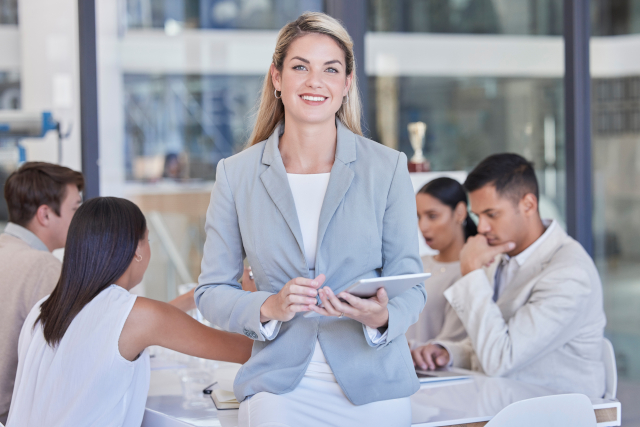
x=318, y=401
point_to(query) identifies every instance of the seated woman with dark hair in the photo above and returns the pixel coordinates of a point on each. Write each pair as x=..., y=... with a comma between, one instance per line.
x=445, y=224
x=82, y=357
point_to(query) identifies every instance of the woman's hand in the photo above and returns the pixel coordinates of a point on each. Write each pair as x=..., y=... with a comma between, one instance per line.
x=371, y=312
x=297, y=295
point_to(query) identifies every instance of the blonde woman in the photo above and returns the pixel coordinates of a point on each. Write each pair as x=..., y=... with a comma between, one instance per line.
x=314, y=206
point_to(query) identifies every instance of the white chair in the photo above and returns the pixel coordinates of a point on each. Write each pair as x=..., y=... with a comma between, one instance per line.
x=562, y=410
x=610, y=370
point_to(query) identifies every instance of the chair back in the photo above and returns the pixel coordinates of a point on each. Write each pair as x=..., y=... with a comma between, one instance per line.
x=610, y=370
x=562, y=410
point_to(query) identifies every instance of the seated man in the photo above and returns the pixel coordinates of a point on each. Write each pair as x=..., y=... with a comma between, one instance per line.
x=41, y=200
x=540, y=319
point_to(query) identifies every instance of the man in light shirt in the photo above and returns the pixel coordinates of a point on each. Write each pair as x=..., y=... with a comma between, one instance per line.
x=538, y=317
x=41, y=200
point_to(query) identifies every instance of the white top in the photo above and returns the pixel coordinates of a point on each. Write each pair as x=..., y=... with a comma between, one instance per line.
x=308, y=195
x=83, y=381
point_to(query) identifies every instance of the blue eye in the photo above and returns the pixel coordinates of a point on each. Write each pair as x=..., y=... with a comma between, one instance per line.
x=299, y=67
x=332, y=70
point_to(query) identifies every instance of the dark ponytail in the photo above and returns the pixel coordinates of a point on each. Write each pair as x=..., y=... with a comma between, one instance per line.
x=102, y=241
x=450, y=192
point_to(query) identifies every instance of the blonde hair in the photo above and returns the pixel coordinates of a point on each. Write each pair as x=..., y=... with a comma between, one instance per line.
x=271, y=109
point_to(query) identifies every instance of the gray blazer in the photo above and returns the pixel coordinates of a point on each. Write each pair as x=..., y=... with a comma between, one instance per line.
x=367, y=229
x=547, y=326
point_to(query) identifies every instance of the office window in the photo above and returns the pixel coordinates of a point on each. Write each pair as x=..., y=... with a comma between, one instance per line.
x=9, y=92
x=216, y=14
x=616, y=216
x=186, y=124
x=485, y=76
x=515, y=17
x=8, y=12
x=615, y=17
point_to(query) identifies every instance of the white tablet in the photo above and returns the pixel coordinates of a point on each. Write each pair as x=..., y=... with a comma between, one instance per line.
x=394, y=285
x=441, y=374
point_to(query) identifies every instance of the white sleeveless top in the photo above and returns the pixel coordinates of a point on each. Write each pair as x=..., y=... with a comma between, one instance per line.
x=83, y=381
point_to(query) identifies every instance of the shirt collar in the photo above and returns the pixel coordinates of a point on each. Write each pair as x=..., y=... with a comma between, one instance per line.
x=26, y=236
x=523, y=256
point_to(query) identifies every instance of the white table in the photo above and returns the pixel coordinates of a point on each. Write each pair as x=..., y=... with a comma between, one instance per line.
x=469, y=402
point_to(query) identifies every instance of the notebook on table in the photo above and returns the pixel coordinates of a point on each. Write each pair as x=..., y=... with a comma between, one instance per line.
x=224, y=399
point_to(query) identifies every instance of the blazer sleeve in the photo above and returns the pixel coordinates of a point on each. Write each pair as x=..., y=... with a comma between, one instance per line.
x=400, y=253
x=544, y=323
x=219, y=296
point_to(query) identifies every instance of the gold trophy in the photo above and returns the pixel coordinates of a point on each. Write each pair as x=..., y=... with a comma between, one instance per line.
x=418, y=163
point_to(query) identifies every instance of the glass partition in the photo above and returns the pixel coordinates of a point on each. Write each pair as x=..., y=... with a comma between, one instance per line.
x=521, y=17
x=9, y=91
x=615, y=101
x=485, y=76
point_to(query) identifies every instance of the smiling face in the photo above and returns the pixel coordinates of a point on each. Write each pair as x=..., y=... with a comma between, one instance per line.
x=439, y=224
x=313, y=79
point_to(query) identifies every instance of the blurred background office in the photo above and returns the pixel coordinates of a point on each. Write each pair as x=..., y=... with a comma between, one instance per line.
x=155, y=92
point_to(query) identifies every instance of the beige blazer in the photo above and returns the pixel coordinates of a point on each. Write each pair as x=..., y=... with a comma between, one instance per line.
x=547, y=326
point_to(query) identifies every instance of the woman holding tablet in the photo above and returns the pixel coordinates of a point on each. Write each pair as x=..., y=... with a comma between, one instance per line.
x=315, y=207
x=445, y=224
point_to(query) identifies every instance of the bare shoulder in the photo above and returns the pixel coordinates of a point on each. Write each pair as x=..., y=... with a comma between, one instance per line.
x=148, y=310
x=145, y=321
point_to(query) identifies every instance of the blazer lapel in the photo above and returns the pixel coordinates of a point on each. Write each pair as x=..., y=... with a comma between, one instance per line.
x=535, y=264
x=276, y=183
x=339, y=182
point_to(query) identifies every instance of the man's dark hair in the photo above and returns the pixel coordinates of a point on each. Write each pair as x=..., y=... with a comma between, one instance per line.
x=512, y=176
x=35, y=184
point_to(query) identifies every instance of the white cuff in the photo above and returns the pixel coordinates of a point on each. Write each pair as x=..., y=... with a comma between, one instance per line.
x=376, y=337
x=268, y=330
